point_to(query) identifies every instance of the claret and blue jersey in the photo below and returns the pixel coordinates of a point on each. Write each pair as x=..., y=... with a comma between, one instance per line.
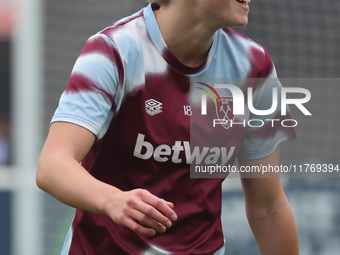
x=132, y=93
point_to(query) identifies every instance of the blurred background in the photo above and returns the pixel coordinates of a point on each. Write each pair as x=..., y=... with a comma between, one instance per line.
x=39, y=43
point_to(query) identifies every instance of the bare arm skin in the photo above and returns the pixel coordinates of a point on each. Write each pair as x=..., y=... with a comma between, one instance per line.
x=60, y=174
x=268, y=211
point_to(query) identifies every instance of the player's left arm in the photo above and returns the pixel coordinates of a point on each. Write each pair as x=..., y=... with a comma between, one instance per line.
x=268, y=211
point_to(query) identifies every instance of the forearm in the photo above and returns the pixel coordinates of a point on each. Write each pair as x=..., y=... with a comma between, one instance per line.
x=60, y=174
x=65, y=179
x=275, y=230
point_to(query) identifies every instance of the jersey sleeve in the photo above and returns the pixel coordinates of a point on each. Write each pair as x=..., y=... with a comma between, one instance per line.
x=266, y=132
x=88, y=98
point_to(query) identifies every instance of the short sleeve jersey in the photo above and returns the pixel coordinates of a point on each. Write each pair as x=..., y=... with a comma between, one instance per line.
x=134, y=95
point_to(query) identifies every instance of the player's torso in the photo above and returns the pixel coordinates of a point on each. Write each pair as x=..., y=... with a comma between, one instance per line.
x=157, y=132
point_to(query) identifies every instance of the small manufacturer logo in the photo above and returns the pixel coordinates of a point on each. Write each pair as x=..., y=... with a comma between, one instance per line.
x=153, y=107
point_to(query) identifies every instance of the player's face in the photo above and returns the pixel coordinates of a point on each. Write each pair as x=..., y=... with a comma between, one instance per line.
x=225, y=13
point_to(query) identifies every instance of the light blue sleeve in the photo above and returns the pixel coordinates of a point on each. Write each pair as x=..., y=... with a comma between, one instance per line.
x=266, y=132
x=89, y=95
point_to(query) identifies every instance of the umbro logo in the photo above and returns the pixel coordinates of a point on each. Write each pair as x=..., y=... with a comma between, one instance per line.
x=153, y=107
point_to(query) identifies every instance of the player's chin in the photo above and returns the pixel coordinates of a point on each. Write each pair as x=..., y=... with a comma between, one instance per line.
x=241, y=22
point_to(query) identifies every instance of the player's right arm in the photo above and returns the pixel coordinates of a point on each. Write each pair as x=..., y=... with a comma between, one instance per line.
x=60, y=173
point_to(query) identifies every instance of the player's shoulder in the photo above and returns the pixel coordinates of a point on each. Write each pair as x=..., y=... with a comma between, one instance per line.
x=116, y=38
x=246, y=49
x=127, y=26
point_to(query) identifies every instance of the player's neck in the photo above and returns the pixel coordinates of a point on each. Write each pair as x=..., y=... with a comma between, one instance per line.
x=188, y=39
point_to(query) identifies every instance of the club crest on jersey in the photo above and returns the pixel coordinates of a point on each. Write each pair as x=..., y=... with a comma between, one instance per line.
x=153, y=107
x=223, y=105
x=224, y=111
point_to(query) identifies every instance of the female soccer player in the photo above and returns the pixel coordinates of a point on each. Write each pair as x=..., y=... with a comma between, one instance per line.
x=125, y=115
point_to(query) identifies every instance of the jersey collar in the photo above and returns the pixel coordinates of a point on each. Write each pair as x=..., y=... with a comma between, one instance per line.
x=159, y=43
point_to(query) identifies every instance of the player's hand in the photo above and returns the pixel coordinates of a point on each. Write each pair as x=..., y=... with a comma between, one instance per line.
x=141, y=211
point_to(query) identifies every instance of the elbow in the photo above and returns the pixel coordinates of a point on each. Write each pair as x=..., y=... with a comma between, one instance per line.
x=267, y=212
x=41, y=177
